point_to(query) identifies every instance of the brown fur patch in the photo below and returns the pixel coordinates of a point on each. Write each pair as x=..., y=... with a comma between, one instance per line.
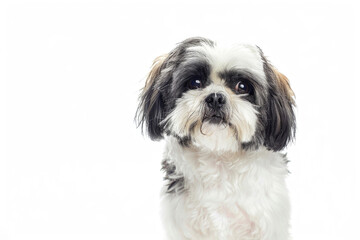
x=155, y=71
x=285, y=85
x=151, y=78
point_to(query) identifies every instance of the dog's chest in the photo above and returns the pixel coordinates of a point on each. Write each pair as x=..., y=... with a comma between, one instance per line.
x=222, y=217
x=226, y=197
x=221, y=204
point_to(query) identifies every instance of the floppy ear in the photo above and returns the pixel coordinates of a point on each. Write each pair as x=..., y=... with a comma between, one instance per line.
x=280, y=125
x=151, y=104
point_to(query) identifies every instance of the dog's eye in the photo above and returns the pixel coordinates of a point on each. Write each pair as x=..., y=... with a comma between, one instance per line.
x=244, y=87
x=194, y=84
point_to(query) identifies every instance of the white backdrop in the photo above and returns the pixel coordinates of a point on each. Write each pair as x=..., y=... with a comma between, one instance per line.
x=74, y=166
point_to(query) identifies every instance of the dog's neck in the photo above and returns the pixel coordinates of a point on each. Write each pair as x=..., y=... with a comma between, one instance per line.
x=202, y=166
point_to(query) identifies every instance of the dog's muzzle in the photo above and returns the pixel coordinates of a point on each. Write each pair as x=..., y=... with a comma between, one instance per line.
x=214, y=113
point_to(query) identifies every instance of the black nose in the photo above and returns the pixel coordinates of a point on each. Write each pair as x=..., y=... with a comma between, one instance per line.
x=215, y=100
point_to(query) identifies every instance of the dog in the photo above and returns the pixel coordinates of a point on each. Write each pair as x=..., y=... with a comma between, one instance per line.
x=225, y=113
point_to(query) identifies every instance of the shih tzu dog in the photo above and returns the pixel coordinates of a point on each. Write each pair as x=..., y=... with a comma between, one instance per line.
x=225, y=113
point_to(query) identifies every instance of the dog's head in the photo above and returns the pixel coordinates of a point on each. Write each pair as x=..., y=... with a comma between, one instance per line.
x=217, y=97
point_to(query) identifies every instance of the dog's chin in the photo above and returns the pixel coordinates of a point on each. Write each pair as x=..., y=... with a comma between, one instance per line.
x=216, y=135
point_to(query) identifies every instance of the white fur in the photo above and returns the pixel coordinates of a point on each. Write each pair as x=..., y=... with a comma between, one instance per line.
x=230, y=195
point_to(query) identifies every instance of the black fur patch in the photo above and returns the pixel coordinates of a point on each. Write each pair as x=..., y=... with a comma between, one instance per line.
x=175, y=181
x=183, y=141
x=232, y=77
x=286, y=161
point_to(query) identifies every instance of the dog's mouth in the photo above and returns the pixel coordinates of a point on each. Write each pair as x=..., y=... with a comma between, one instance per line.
x=214, y=119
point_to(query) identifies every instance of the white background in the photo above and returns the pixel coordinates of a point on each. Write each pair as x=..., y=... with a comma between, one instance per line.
x=74, y=166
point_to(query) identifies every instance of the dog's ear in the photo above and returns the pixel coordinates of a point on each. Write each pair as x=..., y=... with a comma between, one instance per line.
x=280, y=124
x=151, y=104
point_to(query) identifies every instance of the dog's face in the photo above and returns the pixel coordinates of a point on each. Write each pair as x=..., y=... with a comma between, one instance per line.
x=216, y=97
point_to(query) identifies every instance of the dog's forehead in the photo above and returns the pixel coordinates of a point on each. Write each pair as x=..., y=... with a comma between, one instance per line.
x=221, y=58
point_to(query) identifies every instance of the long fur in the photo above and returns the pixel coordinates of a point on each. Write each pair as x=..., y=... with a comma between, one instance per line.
x=224, y=177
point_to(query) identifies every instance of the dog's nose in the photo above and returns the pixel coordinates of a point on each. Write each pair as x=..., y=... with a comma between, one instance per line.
x=215, y=101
